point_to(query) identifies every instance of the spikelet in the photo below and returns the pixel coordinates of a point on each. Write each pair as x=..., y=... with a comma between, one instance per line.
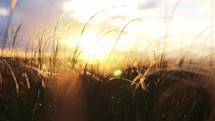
x=13, y=4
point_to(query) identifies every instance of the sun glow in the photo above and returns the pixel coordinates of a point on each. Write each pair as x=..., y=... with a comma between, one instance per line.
x=146, y=26
x=91, y=49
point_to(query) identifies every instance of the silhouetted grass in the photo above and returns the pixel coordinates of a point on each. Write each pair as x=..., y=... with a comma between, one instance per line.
x=52, y=82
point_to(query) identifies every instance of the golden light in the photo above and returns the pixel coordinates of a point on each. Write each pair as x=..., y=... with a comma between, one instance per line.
x=118, y=73
x=155, y=26
x=92, y=50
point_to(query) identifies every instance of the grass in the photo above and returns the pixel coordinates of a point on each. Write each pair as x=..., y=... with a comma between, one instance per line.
x=147, y=92
x=41, y=85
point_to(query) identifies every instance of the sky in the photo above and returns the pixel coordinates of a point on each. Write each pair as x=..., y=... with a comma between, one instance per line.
x=161, y=24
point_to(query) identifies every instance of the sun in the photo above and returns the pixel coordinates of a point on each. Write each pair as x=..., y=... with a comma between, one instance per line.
x=92, y=50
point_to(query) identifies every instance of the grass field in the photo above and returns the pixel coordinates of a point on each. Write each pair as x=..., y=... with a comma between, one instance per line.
x=136, y=93
x=56, y=79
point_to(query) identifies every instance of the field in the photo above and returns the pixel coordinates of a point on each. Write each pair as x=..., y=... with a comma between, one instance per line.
x=61, y=74
x=136, y=93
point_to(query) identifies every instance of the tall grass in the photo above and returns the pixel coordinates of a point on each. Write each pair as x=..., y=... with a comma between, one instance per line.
x=7, y=31
x=49, y=84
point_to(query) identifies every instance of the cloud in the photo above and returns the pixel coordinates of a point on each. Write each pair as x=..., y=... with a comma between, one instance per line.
x=148, y=4
x=4, y=12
